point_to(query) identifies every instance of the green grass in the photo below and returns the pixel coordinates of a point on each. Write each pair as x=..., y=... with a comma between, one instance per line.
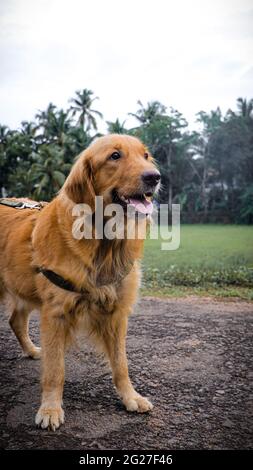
x=211, y=259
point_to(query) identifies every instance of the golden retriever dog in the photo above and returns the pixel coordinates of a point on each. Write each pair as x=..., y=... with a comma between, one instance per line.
x=99, y=278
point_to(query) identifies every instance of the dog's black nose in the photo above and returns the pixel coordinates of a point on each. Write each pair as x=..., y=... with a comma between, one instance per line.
x=151, y=178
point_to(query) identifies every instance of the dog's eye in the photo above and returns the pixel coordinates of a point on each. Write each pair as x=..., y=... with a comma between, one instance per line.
x=146, y=155
x=115, y=156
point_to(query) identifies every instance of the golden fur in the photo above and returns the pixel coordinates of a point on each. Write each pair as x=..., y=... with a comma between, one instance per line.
x=108, y=270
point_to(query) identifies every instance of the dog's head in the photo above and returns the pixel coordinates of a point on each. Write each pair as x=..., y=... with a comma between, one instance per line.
x=117, y=167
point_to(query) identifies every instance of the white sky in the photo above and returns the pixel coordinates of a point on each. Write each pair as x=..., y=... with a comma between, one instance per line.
x=189, y=54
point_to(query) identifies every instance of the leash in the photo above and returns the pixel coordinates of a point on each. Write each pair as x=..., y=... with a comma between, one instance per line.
x=20, y=204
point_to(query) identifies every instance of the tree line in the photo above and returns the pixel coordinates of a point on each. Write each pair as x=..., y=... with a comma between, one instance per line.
x=208, y=171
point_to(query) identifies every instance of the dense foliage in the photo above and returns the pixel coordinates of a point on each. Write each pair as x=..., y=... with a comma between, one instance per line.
x=209, y=171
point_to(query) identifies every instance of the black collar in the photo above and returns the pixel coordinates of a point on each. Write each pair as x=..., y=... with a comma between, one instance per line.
x=59, y=281
x=65, y=284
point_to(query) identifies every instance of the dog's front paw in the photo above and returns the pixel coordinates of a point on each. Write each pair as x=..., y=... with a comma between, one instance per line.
x=49, y=417
x=138, y=403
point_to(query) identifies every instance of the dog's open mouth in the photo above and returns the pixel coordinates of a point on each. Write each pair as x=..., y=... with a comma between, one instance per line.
x=140, y=202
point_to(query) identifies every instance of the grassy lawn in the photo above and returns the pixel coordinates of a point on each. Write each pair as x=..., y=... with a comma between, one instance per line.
x=211, y=260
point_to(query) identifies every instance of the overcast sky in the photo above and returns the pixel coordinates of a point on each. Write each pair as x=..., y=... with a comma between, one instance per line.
x=188, y=54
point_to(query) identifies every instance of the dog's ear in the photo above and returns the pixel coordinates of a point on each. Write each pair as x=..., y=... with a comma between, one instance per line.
x=79, y=185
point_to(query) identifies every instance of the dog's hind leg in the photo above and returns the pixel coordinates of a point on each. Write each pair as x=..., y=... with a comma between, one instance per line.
x=19, y=322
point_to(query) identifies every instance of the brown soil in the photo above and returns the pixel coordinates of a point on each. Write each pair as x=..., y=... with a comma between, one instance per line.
x=192, y=357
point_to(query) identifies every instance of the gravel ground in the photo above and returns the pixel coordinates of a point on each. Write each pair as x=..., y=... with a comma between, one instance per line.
x=191, y=357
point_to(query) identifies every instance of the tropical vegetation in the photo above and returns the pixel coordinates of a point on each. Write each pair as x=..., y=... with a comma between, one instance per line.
x=209, y=171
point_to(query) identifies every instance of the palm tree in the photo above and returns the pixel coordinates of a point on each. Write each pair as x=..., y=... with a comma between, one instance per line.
x=20, y=181
x=77, y=140
x=210, y=121
x=49, y=170
x=146, y=115
x=28, y=128
x=4, y=132
x=82, y=103
x=4, y=167
x=116, y=127
x=60, y=126
x=245, y=108
x=45, y=120
x=55, y=125
x=45, y=116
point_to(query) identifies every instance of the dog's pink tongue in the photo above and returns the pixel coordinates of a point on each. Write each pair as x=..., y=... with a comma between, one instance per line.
x=145, y=207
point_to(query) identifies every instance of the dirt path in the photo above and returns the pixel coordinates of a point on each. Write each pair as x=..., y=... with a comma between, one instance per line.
x=192, y=357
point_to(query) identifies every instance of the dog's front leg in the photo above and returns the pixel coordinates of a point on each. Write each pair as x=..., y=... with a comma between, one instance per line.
x=53, y=338
x=116, y=349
